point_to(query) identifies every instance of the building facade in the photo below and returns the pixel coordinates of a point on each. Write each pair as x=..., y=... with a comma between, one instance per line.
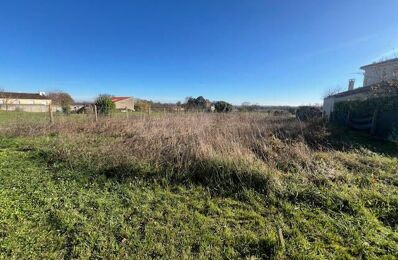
x=380, y=71
x=124, y=103
x=27, y=102
x=350, y=95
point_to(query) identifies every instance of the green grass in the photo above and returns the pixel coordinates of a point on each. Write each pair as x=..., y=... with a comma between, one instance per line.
x=10, y=117
x=63, y=195
x=14, y=116
x=50, y=211
x=59, y=213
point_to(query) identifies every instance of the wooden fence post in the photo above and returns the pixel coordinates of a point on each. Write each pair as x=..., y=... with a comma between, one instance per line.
x=281, y=239
x=95, y=113
x=50, y=111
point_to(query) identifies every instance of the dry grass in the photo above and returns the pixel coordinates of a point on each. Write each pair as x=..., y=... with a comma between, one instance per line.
x=328, y=201
x=216, y=149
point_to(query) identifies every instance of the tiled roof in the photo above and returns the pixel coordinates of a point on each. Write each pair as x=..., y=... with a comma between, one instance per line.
x=16, y=95
x=117, y=99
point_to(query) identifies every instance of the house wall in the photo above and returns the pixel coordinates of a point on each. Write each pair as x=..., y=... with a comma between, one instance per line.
x=125, y=104
x=377, y=73
x=26, y=105
x=328, y=103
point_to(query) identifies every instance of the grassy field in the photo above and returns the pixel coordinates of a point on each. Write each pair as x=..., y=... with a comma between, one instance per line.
x=195, y=186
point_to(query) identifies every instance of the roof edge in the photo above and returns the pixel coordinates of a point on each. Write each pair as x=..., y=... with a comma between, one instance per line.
x=378, y=63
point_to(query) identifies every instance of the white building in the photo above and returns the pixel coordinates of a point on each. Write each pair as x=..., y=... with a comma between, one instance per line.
x=380, y=71
x=27, y=102
x=375, y=74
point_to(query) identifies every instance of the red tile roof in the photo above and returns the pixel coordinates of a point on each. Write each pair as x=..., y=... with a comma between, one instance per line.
x=117, y=99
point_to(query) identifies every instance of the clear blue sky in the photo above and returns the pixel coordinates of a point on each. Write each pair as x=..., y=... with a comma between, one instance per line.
x=269, y=52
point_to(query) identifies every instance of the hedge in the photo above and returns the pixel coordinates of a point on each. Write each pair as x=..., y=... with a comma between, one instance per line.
x=367, y=107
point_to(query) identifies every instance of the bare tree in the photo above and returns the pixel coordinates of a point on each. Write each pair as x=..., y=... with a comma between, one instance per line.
x=6, y=99
x=62, y=99
x=332, y=91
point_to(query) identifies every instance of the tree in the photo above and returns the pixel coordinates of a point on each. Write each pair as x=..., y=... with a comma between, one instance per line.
x=199, y=103
x=7, y=99
x=332, y=91
x=142, y=106
x=105, y=104
x=222, y=106
x=62, y=99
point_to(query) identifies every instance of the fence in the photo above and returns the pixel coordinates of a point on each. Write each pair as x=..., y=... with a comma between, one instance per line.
x=383, y=124
x=88, y=113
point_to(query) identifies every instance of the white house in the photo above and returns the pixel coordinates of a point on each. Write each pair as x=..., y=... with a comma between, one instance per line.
x=28, y=102
x=380, y=71
x=374, y=75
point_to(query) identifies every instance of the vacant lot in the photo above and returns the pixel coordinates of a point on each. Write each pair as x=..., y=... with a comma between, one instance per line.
x=194, y=186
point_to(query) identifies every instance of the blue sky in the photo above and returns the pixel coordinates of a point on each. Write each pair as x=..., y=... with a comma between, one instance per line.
x=269, y=52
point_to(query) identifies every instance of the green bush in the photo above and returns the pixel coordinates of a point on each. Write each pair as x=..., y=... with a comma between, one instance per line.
x=222, y=106
x=105, y=104
x=366, y=107
x=307, y=113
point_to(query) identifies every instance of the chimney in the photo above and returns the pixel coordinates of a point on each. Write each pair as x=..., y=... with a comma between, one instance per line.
x=351, y=84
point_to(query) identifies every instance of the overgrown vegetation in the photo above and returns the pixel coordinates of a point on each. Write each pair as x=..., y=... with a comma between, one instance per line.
x=105, y=104
x=62, y=99
x=308, y=113
x=367, y=107
x=195, y=185
x=223, y=107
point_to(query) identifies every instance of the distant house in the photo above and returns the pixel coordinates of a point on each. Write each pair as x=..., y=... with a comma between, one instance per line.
x=379, y=79
x=124, y=103
x=75, y=107
x=28, y=102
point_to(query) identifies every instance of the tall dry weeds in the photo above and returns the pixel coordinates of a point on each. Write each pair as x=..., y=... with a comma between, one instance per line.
x=217, y=149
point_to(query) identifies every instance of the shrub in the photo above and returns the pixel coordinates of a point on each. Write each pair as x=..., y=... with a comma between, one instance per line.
x=199, y=103
x=222, y=106
x=367, y=106
x=307, y=113
x=142, y=106
x=105, y=104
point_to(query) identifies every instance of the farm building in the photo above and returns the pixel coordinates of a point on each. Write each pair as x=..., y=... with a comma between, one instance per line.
x=123, y=103
x=28, y=102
